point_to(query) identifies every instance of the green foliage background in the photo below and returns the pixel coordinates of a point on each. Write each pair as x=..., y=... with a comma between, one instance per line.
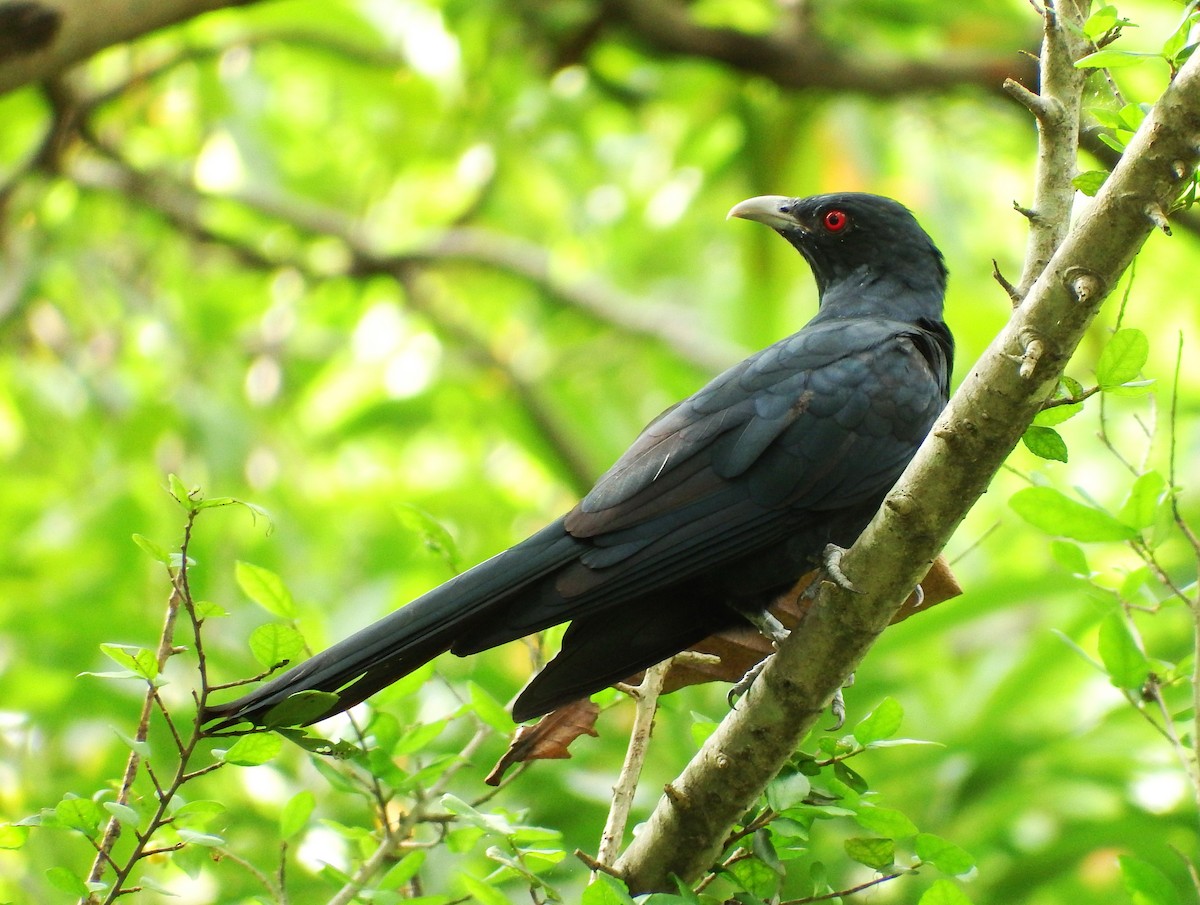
x=210, y=321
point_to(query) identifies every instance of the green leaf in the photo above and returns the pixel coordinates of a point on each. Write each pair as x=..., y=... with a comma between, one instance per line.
x=1057, y=414
x=252, y=750
x=81, y=814
x=1112, y=59
x=434, y=535
x=787, y=791
x=295, y=814
x=179, y=491
x=194, y=837
x=886, y=822
x=1045, y=442
x=274, y=644
x=1070, y=556
x=882, y=722
x=266, y=589
x=140, y=748
x=157, y=552
x=942, y=854
x=403, y=870
x=1057, y=514
x=138, y=660
x=488, y=709
x=483, y=893
x=1100, y=22
x=755, y=877
x=12, y=837
x=125, y=815
x=1090, y=181
x=944, y=892
x=1140, y=509
x=878, y=854
x=1145, y=883
x=299, y=709
x=605, y=890
x=1123, y=357
x=1123, y=660
x=66, y=881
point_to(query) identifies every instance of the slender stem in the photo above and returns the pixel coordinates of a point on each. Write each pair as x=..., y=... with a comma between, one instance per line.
x=646, y=695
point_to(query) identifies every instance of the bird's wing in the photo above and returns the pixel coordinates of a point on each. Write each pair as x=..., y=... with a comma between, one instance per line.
x=822, y=421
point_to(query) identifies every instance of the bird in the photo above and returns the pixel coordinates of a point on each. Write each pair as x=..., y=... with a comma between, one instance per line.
x=719, y=505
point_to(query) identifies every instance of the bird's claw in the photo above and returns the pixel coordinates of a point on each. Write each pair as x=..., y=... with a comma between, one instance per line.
x=831, y=571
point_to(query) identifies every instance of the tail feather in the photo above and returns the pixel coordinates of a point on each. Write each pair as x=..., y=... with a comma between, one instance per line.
x=385, y=651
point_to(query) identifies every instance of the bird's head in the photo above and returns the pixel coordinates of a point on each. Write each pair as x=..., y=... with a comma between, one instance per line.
x=853, y=241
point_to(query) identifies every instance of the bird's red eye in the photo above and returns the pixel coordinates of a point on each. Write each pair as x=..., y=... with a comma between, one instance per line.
x=836, y=220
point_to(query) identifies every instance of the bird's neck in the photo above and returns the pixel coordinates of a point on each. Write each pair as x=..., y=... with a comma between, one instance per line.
x=870, y=292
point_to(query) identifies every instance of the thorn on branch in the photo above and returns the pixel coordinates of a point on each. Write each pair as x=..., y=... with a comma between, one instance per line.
x=1027, y=212
x=1014, y=295
x=1159, y=218
x=1045, y=109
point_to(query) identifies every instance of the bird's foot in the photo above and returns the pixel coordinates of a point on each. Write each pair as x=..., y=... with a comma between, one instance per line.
x=771, y=628
x=837, y=706
x=831, y=571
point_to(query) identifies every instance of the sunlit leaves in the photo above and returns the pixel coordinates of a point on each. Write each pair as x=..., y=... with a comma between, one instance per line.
x=1123, y=660
x=1123, y=357
x=274, y=644
x=266, y=589
x=1146, y=884
x=252, y=750
x=1057, y=514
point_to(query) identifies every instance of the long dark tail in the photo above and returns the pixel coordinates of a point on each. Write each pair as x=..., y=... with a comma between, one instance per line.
x=382, y=653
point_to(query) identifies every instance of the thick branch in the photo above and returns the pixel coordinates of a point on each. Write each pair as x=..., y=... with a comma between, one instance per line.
x=985, y=419
x=38, y=40
x=799, y=58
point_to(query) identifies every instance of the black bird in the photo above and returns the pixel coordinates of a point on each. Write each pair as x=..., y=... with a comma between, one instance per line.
x=720, y=505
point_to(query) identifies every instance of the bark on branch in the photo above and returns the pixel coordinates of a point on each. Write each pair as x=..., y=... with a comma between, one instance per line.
x=983, y=422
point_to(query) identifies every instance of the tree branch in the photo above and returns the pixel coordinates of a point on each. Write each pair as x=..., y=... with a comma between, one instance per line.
x=970, y=442
x=797, y=58
x=39, y=40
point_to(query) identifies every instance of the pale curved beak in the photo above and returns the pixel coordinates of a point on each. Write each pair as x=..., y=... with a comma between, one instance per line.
x=773, y=210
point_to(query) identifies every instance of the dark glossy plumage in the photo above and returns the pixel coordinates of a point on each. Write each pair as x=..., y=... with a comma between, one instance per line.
x=721, y=503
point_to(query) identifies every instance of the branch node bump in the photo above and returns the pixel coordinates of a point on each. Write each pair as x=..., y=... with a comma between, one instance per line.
x=1084, y=285
x=1181, y=169
x=674, y=796
x=1158, y=217
x=1031, y=353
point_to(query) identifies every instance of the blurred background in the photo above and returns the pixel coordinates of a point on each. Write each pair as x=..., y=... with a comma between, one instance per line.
x=387, y=267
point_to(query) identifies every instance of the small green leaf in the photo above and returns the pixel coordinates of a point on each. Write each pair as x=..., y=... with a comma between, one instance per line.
x=274, y=644
x=137, y=660
x=66, y=881
x=1045, y=442
x=945, y=856
x=944, y=892
x=1145, y=883
x=1057, y=414
x=157, y=552
x=787, y=790
x=483, y=893
x=488, y=709
x=266, y=589
x=252, y=750
x=1140, y=508
x=296, y=813
x=1112, y=59
x=755, y=877
x=605, y=890
x=1070, y=556
x=434, y=535
x=1090, y=181
x=81, y=814
x=403, y=870
x=1123, y=357
x=299, y=709
x=13, y=837
x=139, y=747
x=1100, y=22
x=179, y=491
x=886, y=822
x=1123, y=660
x=878, y=854
x=1057, y=514
x=207, y=840
x=125, y=815
x=880, y=723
